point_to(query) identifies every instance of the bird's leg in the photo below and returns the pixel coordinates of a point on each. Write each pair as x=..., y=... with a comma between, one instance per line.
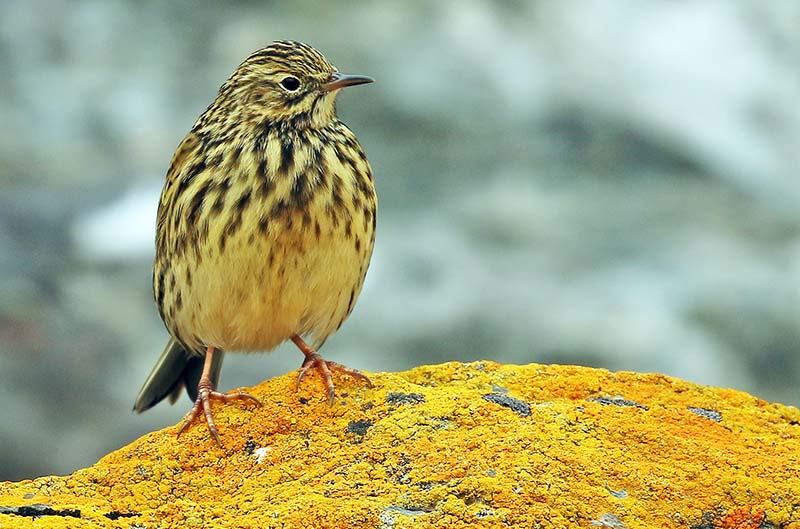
x=313, y=359
x=206, y=392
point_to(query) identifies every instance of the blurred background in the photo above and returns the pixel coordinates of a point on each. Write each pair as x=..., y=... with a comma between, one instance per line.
x=610, y=183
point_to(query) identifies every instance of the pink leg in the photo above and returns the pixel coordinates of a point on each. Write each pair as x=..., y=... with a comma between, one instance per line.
x=205, y=394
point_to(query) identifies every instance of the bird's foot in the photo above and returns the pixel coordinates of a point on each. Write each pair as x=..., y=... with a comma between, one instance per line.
x=326, y=369
x=205, y=394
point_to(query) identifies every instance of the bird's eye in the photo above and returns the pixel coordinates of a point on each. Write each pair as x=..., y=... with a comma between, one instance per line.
x=290, y=84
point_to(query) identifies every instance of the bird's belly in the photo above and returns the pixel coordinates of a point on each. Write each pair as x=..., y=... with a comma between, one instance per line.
x=261, y=291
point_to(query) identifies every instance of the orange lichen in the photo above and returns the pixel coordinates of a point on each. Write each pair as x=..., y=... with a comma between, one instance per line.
x=453, y=445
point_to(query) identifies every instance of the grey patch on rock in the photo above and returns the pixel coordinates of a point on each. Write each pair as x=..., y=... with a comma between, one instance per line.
x=396, y=397
x=388, y=516
x=401, y=471
x=712, y=415
x=359, y=427
x=617, y=401
x=116, y=515
x=40, y=509
x=609, y=520
x=443, y=423
x=429, y=485
x=518, y=406
x=622, y=493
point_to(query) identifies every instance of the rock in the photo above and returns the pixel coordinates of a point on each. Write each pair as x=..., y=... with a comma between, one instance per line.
x=450, y=445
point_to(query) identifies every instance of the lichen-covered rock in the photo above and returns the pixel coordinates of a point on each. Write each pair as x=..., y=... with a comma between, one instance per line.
x=452, y=445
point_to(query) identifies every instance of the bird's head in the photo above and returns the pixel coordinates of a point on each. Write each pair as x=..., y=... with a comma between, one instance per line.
x=286, y=83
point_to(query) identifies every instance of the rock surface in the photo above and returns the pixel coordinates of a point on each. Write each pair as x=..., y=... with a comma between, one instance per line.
x=610, y=183
x=451, y=445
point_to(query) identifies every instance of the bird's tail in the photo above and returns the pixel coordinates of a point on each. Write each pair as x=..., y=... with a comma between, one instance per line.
x=176, y=369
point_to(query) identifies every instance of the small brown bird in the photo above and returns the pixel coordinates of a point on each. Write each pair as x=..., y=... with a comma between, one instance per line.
x=266, y=225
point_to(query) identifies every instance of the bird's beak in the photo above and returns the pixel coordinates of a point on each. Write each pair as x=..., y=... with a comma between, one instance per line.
x=340, y=80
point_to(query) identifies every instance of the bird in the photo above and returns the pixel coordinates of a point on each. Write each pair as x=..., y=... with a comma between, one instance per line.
x=265, y=228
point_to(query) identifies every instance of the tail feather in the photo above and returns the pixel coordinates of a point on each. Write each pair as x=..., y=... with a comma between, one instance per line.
x=176, y=369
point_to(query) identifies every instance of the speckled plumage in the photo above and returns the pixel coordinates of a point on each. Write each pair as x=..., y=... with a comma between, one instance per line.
x=266, y=222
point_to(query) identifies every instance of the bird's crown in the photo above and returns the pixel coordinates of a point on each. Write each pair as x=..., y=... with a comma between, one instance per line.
x=287, y=83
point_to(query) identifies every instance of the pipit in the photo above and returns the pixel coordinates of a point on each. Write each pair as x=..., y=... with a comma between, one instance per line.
x=266, y=225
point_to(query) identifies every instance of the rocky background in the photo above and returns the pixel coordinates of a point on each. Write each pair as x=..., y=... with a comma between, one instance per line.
x=610, y=183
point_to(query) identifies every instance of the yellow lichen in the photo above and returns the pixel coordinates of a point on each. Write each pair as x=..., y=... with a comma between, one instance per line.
x=453, y=445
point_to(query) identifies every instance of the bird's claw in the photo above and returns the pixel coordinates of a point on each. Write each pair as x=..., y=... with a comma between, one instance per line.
x=205, y=395
x=326, y=369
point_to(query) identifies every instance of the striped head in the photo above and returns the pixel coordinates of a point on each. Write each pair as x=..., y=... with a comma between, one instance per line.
x=287, y=83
